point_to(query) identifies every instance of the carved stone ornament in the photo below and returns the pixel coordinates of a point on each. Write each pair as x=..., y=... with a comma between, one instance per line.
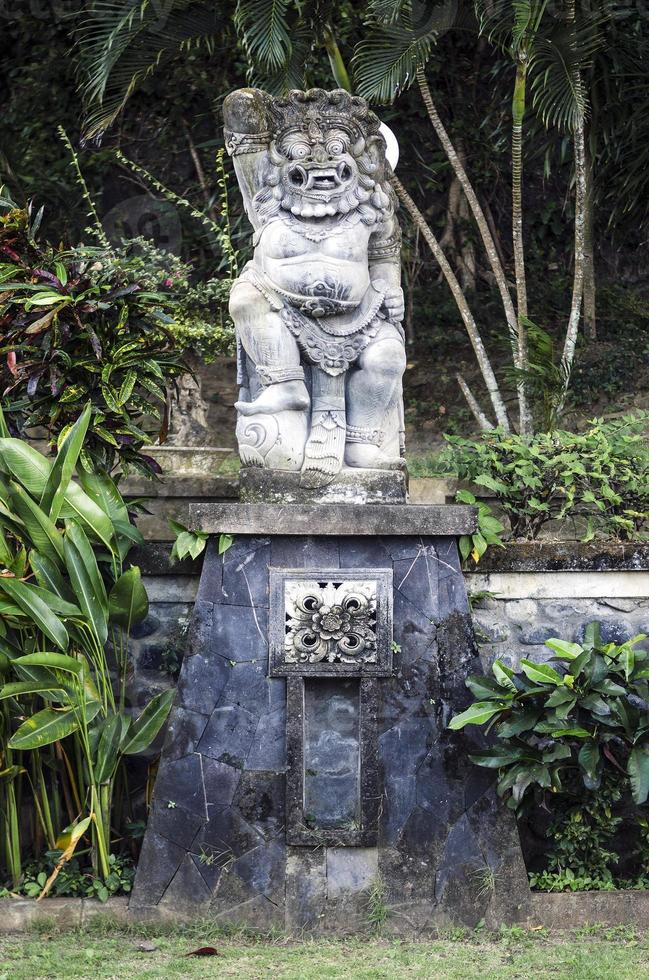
x=328, y=624
x=318, y=310
x=330, y=621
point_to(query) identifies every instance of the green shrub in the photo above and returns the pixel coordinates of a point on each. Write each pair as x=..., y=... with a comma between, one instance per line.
x=572, y=740
x=68, y=602
x=78, y=325
x=586, y=717
x=600, y=475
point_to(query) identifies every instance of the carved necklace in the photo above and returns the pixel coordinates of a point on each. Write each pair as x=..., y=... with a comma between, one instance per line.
x=318, y=235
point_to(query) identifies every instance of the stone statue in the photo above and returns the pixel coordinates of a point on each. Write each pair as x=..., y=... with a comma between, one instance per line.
x=318, y=310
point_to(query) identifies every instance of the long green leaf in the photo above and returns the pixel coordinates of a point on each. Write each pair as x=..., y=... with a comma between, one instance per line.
x=19, y=689
x=58, y=661
x=44, y=534
x=43, y=728
x=79, y=539
x=128, y=602
x=4, y=431
x=84, y=576
x=147, y=726
x=32, y=469
x=64, y=465
x=638, y=769
x=103, y=491
x=25, y=464
x=29, y=601
x=108, y=748
x=476, y=714
x=540, y=673
x=79, y=506
x=62, y=608
x=49, y=577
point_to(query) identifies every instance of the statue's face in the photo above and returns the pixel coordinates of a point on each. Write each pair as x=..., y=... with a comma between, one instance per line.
x=318, y=169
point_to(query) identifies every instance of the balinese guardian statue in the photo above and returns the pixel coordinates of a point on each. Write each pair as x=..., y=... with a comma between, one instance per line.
x=318, y=310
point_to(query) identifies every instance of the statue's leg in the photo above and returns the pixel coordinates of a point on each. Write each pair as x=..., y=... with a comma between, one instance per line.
x=325, y=447
x=273, y=350
x=371, y=389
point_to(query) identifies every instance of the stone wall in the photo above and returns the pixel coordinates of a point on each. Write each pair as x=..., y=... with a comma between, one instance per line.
x=538, y=591
x=528, y=593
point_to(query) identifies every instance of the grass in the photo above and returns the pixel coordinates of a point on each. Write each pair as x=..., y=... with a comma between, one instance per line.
x=105, y=951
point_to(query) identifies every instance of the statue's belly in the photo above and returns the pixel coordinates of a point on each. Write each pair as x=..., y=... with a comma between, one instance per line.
x=339, y=279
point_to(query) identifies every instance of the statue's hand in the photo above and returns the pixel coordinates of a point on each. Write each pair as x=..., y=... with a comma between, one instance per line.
x=393, y=303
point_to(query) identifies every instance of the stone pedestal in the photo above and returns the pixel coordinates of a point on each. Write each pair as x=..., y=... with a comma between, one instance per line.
x=296, y=780
x=350, y=486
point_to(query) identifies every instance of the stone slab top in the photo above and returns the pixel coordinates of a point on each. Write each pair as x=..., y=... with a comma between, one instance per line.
x=334, y=519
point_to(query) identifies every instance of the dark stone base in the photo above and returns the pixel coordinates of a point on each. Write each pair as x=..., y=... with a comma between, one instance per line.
x=446, y=850
x=351, y=486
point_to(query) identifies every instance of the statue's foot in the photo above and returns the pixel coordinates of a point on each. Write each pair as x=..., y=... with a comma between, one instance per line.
x=368, y=457
x=324, y=450
x=286, y=396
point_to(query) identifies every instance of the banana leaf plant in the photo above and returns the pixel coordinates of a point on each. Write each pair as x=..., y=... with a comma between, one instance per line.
x=570, y=721
x=68, y=600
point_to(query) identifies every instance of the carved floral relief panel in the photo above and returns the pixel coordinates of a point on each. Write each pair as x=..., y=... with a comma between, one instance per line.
x=331, y=622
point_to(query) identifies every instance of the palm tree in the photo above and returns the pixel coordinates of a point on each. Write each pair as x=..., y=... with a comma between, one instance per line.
x=550, y=47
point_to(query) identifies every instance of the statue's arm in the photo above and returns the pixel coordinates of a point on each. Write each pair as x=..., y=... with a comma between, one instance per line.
x=247, y=138
x=385, y=265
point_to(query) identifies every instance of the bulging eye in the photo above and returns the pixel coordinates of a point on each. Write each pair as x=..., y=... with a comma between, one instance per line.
x=335, y=147
x=299, y=151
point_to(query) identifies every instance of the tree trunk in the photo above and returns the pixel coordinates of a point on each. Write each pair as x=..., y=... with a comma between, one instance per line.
x=578, y=277
x=490, y=247
x=518, y=114
x=590, y=311
x=471, y=401
x=579, y=141
x=467, y=317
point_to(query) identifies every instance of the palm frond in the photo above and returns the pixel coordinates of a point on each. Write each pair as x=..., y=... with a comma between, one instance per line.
x=560, y=58
x=265, y=32
x=388, y=11
x=385, y=63
x=121, y=44
x=292, y=73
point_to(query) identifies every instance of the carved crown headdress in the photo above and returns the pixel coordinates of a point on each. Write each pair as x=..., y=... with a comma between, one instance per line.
x=253, y=118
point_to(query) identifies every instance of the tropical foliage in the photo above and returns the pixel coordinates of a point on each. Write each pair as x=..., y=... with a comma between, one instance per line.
x=78, y=325
x=598, y=479
x=581, y=718
x=571, y=737
x=69, y=599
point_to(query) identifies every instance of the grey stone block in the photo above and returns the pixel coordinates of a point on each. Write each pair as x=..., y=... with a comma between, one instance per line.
x=180, y=782
x=535, y=635
x=159, y=861
x=350, y=486
x=334, y=519
x=611, y=631
x=351, y=870
x=268, y=749
x=306, y=888
x=245, y=577
x=219, y=822
x=184, y=731
x=187, y=890
x=228, y=735
x=202, y=680
x=241, y=632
